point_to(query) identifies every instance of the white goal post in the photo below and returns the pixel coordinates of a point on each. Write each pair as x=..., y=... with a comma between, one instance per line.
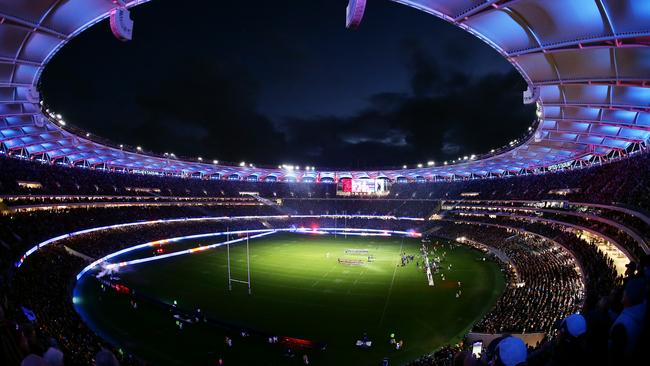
x=248, y=265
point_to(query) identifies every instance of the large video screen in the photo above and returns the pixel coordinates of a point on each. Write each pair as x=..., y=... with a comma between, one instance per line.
x=369, y=186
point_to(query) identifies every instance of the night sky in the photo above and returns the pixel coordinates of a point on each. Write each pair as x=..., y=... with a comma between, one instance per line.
x=283, y=81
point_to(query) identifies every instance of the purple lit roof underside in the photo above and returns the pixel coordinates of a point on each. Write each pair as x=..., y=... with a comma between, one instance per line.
x=589, y=59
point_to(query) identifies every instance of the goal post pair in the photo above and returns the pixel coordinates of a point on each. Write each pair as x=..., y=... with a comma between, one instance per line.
x=248, y=265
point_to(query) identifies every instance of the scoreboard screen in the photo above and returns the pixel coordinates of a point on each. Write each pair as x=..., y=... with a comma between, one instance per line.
x=364, y=186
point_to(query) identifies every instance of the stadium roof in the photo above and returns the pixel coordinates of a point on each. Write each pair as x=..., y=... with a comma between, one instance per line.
x=587, y=63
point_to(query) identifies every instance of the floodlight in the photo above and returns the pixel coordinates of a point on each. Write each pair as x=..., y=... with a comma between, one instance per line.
x=120, y=21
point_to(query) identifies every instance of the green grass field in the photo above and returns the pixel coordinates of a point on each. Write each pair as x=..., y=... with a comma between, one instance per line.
x=299, y=290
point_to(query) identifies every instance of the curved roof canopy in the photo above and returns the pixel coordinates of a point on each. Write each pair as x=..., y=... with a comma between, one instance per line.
x=587, y=63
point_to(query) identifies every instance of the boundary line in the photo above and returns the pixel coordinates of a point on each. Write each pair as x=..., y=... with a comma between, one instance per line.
x=390, y=289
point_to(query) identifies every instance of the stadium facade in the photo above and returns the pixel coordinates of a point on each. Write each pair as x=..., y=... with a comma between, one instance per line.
x=586, y=62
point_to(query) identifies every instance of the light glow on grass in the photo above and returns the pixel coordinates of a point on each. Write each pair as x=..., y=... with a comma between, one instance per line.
x=258, y=233
x=295, y=277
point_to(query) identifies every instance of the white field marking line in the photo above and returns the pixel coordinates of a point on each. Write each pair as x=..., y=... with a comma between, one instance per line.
x=390, y=289
x=325, y=275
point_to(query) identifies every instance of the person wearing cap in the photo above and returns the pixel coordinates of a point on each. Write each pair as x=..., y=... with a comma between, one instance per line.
x=570, y=346
x=507, y=351
x=630, y=269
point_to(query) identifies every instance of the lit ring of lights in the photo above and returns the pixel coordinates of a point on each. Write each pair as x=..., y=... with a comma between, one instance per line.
x=196, y=219
x=258, y=233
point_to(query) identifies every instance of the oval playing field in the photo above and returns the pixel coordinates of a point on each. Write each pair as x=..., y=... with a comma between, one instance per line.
x=300, y=289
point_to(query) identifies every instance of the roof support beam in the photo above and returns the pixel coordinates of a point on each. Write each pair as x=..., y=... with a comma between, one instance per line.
x=617, y=107
x=601, y=123
x=33, y=27
x=15, y=85
x=636, y=82
x=486, y=6
x=586, y=144
x=599, y=135
x=612, y=41
x=19, y=61
x=3, y=115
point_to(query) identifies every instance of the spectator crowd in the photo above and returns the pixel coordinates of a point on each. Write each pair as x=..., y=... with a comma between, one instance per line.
x=564, y=287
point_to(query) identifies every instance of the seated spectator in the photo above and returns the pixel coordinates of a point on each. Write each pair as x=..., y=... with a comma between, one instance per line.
x=570, y=348
x=507, y=351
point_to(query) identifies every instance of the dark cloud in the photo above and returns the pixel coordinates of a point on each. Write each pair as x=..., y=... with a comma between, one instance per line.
x=456, y=121
x=200, y=111
x=425, y=74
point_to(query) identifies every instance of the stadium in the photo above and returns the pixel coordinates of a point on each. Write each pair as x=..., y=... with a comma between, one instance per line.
x=535, y=253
